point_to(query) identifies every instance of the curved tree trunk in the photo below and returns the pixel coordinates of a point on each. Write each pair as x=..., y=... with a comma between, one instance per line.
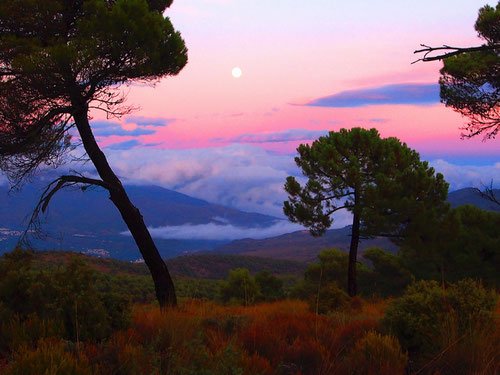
x=164, y=286
x=353, y=253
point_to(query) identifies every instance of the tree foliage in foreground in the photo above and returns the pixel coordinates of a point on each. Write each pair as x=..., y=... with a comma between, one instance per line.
x=464, y=244
x=381, y=181
x=60, y=59
x=470, y=77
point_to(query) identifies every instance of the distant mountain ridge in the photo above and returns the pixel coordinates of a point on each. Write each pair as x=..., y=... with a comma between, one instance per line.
x=88, y=221
x=301, y=246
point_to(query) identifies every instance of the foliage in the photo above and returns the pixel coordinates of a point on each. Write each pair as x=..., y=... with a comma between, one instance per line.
x=50, y=357
x=270, y=287
x=418, y=316
x=240, y=287
x=377, y=354
x=66, y=295
x=59, y=59
x=388, y=277
x=465, y=244
x=381, y=182
x=470, y=81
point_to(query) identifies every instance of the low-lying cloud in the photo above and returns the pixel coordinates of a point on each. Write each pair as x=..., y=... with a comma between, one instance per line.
x=215, y=231
x=408, y=93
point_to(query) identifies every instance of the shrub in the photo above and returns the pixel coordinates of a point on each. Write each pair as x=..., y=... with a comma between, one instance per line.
x=270, y=287
x=66, y=295
x=419, y=317
x=50, y=357
x=240, y=287
x=330, y=298
x=376, y=354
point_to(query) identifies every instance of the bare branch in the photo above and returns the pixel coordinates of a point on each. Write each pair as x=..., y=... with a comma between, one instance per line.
x=488, y=193
x=450, y=51
x=51, y=189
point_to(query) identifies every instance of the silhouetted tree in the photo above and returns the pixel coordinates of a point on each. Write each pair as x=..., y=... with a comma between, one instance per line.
x=470, y=77
x=58, y=60
x=382, y=182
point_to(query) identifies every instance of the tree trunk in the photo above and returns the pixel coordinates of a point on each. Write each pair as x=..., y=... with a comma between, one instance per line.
x=164, y=286
x=353, y=252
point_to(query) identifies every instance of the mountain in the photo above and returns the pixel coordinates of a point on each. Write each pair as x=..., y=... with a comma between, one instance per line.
x=88, y=221
x=301, y=246
x=471, y=196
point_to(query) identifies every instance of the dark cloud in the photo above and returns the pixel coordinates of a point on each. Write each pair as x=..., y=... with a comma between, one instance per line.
x=284, y=136
x=126, y=145
x=108, y=128
x=149, y=121
x=104, y=124
x=107, y=132
x=412, y=94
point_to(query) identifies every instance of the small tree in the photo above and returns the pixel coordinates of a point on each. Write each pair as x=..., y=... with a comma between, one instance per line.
x=470, y=77
x=58, y=60
x=239, y=287
x=381, y=182
x=270, y=287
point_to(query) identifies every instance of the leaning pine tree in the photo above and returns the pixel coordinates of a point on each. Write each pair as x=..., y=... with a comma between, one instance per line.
x=381, y=181
x=58, y=60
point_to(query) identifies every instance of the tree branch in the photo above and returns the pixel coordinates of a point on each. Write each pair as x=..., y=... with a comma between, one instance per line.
x=51, y=190
x=488, y=193
x=451, y=51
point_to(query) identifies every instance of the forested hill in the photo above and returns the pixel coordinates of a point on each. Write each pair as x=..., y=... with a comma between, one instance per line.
x=207, y=266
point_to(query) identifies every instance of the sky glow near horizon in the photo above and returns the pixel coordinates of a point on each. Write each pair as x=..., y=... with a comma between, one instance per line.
x=309, y=68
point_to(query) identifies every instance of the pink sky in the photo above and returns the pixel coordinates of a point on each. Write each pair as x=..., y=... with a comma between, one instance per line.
x=292, y=53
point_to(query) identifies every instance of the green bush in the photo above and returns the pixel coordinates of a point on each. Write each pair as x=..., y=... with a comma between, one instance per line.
x=240, y=287
x=270, y=287
x=388, y=277
x=418, y=317
x=330, y=298
x=66, y=295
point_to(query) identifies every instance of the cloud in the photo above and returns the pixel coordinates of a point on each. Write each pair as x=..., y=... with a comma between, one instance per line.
x=149, y=121
x=461, y=176
x=241, y=176
x=126, y=145
x=215, y=231
x=409, y=93
x=244, y=176
x=107, y=129
x=283, y=136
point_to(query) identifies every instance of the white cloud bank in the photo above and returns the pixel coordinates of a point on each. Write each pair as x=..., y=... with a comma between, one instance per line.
x=462, y=176
x=214, y=231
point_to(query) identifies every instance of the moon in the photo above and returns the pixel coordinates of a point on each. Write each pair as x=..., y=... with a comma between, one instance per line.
x=236, y=72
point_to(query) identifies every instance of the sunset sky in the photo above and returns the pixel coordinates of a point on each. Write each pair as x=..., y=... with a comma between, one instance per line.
x=308, y=67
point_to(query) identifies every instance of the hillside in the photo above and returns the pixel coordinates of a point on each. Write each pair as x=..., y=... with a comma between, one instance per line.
x=303, y=247
x=87, y=221
x=206, y=266
x=300, y=246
